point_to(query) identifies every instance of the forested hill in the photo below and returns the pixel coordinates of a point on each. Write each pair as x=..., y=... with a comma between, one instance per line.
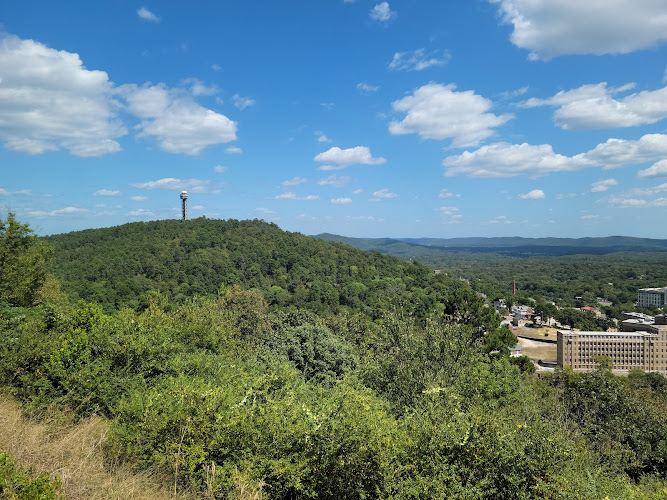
x=511, y=246
x=115, y=266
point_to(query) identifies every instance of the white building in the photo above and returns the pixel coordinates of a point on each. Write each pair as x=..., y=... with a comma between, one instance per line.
x=652, y=297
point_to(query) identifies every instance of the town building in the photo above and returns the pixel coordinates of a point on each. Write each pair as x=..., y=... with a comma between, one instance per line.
x=500, y=304
x=641, y=346
x=593, y=310
x=516, y=351
x=652, y=297
x=637, y=322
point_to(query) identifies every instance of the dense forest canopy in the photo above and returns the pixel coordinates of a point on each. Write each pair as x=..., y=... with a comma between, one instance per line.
x=115, y=266
x=232, y=358
x=611, y=268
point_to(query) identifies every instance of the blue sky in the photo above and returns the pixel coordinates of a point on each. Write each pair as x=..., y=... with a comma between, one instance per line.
x=405, y=118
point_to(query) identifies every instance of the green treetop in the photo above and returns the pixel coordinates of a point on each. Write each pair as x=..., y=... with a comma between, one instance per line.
x=22, y=263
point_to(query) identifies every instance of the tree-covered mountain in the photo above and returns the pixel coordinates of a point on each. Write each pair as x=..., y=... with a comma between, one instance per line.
x=115, y=266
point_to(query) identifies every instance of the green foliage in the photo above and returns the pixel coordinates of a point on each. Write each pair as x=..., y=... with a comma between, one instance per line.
x=625, y=425
x=22, y=263
x=334, y=407
x=404, y=361
x=321, y=356
x=116, y=267
x=224, y=351
x=248, y=310
x=463, y=306
x=559, y=278
x=499, y=339
x=299, y=440
x=20, y=484
x=524, y=363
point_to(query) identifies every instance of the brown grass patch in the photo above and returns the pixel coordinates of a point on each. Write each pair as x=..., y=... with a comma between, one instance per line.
x=547, y=354
x=74, y=453
x=539, y=333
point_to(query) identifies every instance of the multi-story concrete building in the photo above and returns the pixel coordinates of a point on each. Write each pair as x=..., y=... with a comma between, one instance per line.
x=645, y=349
x=652, y=297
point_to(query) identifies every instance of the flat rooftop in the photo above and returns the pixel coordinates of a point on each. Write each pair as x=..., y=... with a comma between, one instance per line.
x=607, y=334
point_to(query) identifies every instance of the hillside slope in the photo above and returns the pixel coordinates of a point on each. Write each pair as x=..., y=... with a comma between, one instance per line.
x=115, y=266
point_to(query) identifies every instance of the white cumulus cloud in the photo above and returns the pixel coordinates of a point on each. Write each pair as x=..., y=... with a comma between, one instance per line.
x=535, y=194
x=550, y=28
x=360, y=155
x=507, y=160
x=147, y=15
x=450, y=215
x=291, y=196
x=242, y=102
x=140, y=212
x=620, y=152
x=106, y=192
x=418, y=60
x=197, y=87
x=644, y=197
x=501, y=219
x=50, y=101
x=286, y=196
x=448, y=210
x=341, y=201
x=383, y=194
x=603, y=185
x=658, y=169
x=436, y=111
x=335, y=180
x=193, y=185
x=321, y=137
x=382, y=12
x=367, y=87
x=627, y=202
x=294, y=181
x=176, y=120
x=59, y=212
x=446, y=193
x=594, y=107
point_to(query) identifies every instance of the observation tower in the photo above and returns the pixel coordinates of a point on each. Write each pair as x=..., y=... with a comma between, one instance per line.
x=184, y=199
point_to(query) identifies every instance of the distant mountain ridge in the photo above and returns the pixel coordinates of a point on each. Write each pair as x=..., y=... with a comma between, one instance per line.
x=513, y=246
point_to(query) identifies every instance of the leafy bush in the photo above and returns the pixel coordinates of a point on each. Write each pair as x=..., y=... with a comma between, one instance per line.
x=321, y=356
x=298, y=440
x=20, y=484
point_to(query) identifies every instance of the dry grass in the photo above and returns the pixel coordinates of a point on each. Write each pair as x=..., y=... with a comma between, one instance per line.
x=72, y=452
x=547, y=354
x=539, y=333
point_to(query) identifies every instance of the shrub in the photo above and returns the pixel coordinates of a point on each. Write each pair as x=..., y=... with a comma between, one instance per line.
x=15, y=482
